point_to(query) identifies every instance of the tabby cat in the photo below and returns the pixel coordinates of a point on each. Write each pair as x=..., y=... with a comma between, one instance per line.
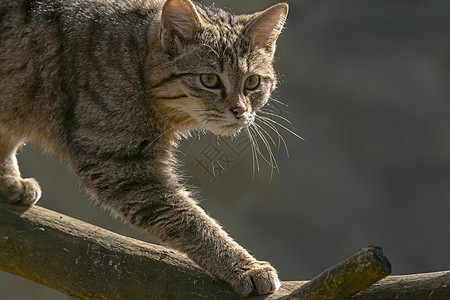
x=111, y=86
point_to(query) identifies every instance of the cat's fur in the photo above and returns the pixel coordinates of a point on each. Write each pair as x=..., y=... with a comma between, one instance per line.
x=112, y=85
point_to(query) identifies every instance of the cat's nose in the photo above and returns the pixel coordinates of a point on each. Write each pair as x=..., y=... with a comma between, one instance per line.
x=238, y=111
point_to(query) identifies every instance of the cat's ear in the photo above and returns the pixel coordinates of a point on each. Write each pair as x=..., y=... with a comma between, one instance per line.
x=267, y=26
x=180, y=22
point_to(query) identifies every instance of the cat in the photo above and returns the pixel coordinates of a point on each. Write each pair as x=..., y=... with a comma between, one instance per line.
x=112, y=86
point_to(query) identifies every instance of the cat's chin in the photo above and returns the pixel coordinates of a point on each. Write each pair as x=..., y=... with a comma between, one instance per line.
x=232, y=132
x=234, y=128
x=227, y=130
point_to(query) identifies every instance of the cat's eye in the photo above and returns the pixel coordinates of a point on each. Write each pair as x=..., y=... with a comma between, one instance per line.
x=252, y=82
x=210, y=80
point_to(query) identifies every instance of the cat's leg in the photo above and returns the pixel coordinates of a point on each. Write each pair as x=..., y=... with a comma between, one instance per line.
x=144, y=198
x=183, y=225
x=13, y=188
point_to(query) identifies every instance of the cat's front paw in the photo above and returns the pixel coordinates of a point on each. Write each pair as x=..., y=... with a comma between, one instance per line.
x=14, y=189
x=257, y=278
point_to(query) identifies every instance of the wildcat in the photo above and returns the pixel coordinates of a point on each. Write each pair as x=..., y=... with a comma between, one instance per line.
x=111, y=86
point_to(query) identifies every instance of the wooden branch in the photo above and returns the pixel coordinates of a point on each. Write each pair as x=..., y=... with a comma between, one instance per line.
x=88, y=262
x=348, y=278
x=406, y=287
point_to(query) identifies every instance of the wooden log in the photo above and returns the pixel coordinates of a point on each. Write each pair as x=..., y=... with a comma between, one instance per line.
x=88, y=262
x=434, y=286
x=347, y=278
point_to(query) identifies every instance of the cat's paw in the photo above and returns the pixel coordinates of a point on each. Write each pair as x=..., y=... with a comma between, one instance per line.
x=258, y=278
x=14, y=189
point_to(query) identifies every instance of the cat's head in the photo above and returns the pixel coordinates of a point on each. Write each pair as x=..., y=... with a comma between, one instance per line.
x=213, y=70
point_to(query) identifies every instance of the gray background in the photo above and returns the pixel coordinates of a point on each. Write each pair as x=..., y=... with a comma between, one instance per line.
x=367, y=84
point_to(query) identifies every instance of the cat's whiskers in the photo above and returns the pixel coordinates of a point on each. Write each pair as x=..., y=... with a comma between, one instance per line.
x=282, y=126
x=267, y=138
x=275, y=130
x=275, y=115
x=258, y=150
x=271, y=161
x=257, y=130
x=268, y=135
x=278, y=101
x=274, y=106
x=269, y=149
x=252, y=147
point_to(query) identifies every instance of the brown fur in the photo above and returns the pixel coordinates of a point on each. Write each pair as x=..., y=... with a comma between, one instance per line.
x=112, y=85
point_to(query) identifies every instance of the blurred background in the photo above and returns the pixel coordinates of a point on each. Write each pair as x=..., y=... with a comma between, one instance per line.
x=367, y=85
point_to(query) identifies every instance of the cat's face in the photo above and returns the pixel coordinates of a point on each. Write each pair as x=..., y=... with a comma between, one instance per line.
x=223, y=91
x=221, y=65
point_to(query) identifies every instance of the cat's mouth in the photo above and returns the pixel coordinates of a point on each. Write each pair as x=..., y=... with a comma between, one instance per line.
x=223, y=123
x=235, y=125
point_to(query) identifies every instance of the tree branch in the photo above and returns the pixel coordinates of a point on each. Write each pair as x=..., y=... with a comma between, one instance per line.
x=406, y=287
x=88, y=262
x=347, y=278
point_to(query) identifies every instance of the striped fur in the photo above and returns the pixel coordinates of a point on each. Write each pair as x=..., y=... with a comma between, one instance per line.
x=112, y=85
